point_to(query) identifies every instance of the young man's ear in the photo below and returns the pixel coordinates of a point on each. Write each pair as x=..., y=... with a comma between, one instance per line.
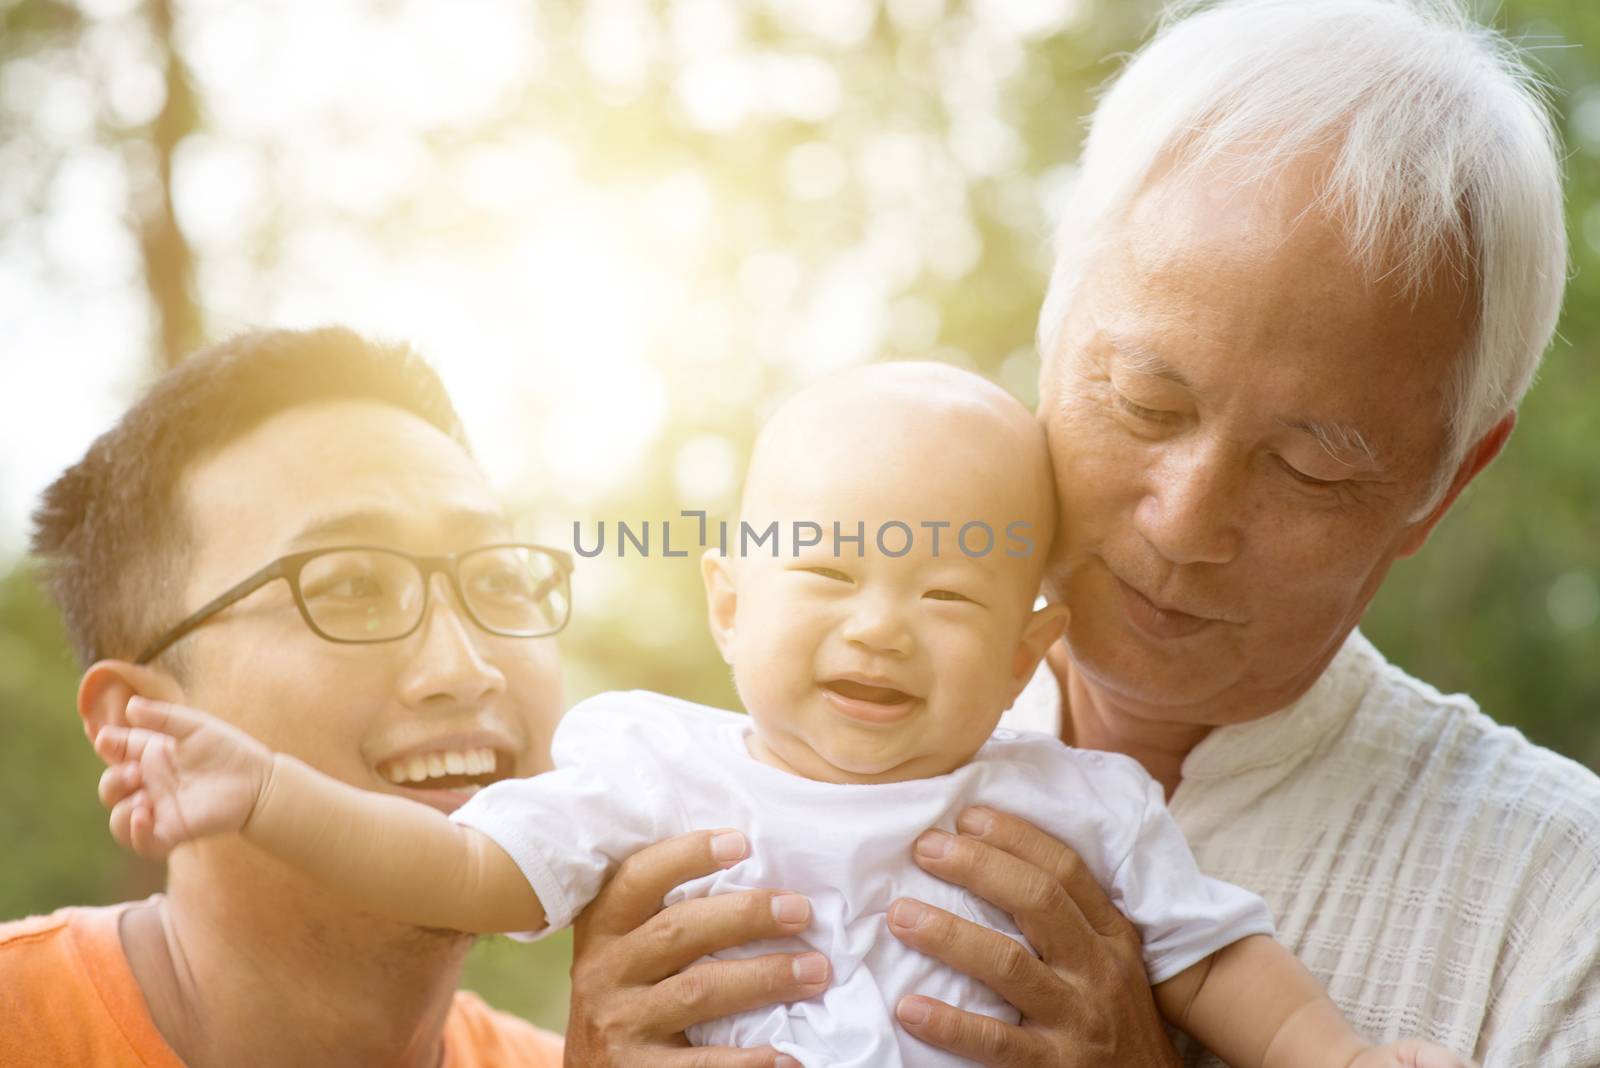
x=1045, y=626
x=722, y=600
x=104, y=690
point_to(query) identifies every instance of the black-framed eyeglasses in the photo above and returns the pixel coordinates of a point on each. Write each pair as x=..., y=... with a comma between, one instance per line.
x=354, y=594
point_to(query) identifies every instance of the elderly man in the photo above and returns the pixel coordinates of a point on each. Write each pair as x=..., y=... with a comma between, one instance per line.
x=1313, y=259
x=285, y=529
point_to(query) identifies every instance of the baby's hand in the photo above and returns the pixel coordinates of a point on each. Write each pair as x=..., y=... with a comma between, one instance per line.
x=1410, y=1053
x=176, y=775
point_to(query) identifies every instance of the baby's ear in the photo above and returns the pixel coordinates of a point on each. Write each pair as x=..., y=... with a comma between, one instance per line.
x=104, y=690
x=722, y=600
x=1043, y=628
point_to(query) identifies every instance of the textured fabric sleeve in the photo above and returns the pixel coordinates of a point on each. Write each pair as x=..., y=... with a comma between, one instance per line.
x=568, y=828
x=1546, y=1010
x=1182, y=914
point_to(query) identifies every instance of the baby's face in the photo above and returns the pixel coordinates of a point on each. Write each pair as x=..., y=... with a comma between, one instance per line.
x=864, y=665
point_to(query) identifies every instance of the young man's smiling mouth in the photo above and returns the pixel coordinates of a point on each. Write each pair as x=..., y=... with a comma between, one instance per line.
x=446, y=772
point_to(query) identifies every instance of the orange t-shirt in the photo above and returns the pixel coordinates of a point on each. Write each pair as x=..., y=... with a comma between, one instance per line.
x=68, y=997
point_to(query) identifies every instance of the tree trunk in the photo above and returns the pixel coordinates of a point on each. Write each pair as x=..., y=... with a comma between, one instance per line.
x=168, y=259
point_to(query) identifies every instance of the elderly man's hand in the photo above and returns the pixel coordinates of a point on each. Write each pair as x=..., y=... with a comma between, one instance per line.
x=635, y=984
x=1085, y=1000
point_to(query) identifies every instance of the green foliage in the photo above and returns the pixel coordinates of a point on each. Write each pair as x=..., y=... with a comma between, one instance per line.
x=52, y=829
x=529, y=980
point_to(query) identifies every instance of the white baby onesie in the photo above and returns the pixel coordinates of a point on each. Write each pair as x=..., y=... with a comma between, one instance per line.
x=634, y=768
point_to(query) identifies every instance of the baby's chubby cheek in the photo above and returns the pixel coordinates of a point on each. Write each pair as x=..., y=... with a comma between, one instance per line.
x=771, y=689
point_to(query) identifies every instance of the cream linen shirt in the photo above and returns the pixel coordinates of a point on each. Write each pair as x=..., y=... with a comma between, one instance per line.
x=1438, y=872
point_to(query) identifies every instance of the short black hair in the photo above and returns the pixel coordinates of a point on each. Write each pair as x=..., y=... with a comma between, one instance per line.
x=111, y=534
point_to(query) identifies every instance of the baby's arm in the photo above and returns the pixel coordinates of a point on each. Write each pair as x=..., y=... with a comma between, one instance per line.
x=1255, y=1006
x=178, y=775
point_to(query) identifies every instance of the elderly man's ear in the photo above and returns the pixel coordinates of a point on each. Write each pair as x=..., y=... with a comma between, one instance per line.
x=105, y=688
x=1477, y=458
x=722, y=600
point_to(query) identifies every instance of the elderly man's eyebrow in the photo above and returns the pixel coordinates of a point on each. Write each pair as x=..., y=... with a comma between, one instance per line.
x=1145, y=361
x=1343, y=442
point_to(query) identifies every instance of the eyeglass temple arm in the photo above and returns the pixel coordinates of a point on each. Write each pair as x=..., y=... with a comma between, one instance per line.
x=235, y=593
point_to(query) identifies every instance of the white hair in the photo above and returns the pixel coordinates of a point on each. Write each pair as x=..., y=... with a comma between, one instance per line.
x=1441, y=148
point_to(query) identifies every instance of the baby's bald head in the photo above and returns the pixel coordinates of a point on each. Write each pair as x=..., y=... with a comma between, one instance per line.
x=906, y=441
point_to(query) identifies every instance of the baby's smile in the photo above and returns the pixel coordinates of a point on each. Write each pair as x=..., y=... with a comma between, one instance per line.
x=868, y=698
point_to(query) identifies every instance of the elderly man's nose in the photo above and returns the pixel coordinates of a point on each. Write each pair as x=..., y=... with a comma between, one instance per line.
x=1189, y=512
x=448, y=665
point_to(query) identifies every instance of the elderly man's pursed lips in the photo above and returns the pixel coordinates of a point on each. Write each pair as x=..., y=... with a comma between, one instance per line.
x=1159, y=620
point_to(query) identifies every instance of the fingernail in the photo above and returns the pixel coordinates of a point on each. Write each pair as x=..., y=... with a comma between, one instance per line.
x=791, y=908
x=906, y=913
x=810, y=968
x=727, y=846
x=933, y=845
x=975, y=821
x=912, y=1011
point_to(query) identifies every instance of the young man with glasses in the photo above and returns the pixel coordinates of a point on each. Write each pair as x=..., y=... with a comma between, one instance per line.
x=291, y=526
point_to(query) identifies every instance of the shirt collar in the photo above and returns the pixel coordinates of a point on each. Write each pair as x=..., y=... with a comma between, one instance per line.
x=1316, y=715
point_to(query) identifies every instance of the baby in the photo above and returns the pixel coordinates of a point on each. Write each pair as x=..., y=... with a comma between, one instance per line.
x=876, y=634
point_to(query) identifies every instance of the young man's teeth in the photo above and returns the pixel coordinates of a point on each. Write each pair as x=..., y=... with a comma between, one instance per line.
x=436, y=765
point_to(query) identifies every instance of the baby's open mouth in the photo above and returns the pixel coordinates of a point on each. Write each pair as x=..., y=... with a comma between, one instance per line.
x=860, y=691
